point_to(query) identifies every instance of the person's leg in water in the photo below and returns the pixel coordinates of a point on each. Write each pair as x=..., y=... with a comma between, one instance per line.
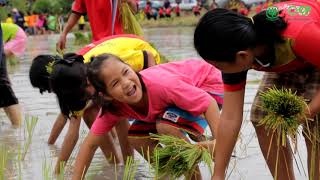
x=8, y=100
x=284, y=162
x=313, y=148
x=107, y=146
x=14, y=114
x=311, y=87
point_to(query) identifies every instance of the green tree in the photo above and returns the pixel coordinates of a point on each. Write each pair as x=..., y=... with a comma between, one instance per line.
x=53, y=7
x=41, y=6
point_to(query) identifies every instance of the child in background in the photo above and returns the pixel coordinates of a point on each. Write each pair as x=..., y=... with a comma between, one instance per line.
x=14, y=38
x=68, y=79
x=81, y=23
x=9, y=19
x=192, y=86
x=196, y=10
x=161, y=12
x=52, y=23
x=168, y=12
x=177, y=10
x=8, y=100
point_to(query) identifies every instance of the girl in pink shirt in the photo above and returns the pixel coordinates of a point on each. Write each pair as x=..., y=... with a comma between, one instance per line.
x=151, y=97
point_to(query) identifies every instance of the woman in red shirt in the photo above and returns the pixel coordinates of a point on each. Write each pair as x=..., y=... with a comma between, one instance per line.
x=287, y=47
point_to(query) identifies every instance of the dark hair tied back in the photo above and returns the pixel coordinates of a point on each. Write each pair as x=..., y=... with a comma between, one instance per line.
x=221, y=33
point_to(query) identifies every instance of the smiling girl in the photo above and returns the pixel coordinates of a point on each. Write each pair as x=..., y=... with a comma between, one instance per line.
x=193, y=86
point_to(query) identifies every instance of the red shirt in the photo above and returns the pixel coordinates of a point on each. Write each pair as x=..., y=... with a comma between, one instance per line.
x=177, y=9
x=301, y=48
x=100, y=17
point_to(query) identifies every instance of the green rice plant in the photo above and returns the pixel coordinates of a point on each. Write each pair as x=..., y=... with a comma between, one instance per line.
x=178, y=157
x=30, y=126
x=80, y=38
x=4, y=156
x=89, y=35
x=62, y=170
x=19, y=160
x=285, y=110
x=130, y=169
x=46, y=170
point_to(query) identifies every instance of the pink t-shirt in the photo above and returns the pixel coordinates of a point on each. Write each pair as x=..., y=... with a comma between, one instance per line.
x=184, y=84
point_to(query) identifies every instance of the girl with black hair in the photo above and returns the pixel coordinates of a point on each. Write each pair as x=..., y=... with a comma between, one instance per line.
x=284, y=41
x=167, y=99
x=67, y=78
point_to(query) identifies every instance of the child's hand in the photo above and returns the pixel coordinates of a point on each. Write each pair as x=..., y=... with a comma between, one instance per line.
x=209, y=145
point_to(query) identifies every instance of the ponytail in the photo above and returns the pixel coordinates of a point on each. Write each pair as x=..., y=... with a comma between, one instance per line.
x=268, y=31
x=221, y=33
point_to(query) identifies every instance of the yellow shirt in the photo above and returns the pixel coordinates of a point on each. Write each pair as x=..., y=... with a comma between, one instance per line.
x=9, y=20
x=81, y=20
x=128, y=47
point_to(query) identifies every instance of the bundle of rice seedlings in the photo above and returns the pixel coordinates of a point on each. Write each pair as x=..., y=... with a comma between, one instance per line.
x=129, y=22
x=178, y=157
x=285, y=110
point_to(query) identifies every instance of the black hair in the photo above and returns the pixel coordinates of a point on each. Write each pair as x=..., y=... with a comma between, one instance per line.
x=221, y=33
x=66, y=77
x=69, y=80
x=38, y=73
x=94, y=76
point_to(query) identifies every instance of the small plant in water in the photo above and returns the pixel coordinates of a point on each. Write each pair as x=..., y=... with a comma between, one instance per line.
x=130, y=169
x=4, y=154
x=178, y=157
x=30, y=126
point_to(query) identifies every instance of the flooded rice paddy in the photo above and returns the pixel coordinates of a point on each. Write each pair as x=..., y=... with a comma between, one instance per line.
x=176, y=44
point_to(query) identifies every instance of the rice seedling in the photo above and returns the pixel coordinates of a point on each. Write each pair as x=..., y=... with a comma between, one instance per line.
x=30, y=126
x=285, y=110
x=46, y=170
x=80, y=38
x=178, y=157
x=130, y=169
x=61, y=174
x=129, y=21
x=4, y=154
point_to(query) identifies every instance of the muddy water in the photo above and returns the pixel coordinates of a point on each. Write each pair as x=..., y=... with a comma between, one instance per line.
x=175, y=43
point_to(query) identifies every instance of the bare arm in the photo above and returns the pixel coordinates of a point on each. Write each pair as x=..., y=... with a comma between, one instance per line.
x=229, y=127
x=151, y=60
x=69, y=142
x=73, y=19
x=212, y=117
x=57, y=128
x=314, y=106
x=122, y=131
x=86, y=153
